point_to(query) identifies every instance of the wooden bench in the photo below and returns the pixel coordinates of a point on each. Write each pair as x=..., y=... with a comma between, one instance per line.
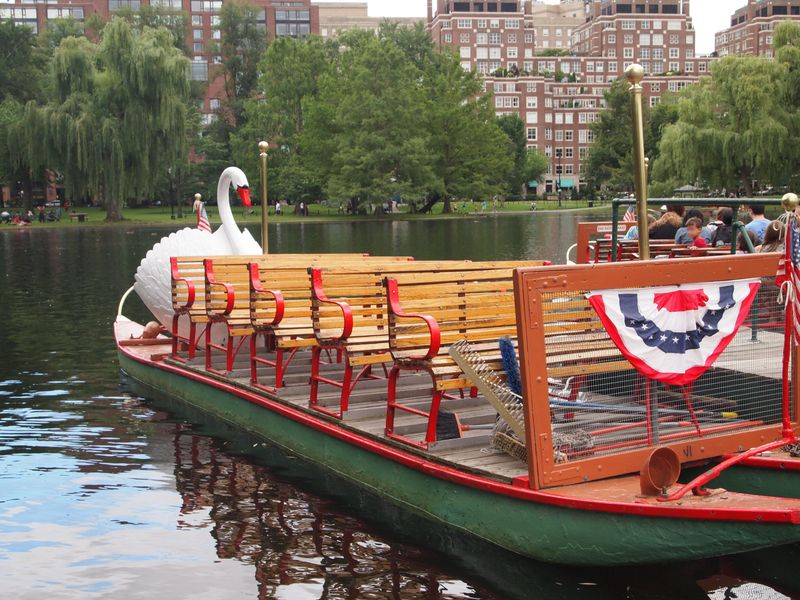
x=228, y=293
x=432, y=311
x=81, y=217
x=280, y=310
x=350, y=316
x=188, y=300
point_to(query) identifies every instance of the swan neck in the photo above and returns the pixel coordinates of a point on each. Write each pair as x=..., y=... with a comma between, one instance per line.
x=225, y=212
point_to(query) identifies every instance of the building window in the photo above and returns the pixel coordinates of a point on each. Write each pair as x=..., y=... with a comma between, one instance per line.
x=197, y=20
x=627, y=38
x=627, y=53
x=197, y=47
x=213, y=104
x=481, y=23
x=674, y=52
x=448, y=38
x=512, y=38
x=531, y=134
x=464, y=38
x=464, y=23
x=197, y=34
x=494, y=38
x=117, y=4
x=464, y=51
x=658, y=40
x=482, y=38
x=628, y=25
x=644, y=39
x=199, y=71
x=531, y=101
x=512, y=52
x=512, y=23
x=528, y=38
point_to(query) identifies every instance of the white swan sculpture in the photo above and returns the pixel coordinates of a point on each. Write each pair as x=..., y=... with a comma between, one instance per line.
x=153, y=275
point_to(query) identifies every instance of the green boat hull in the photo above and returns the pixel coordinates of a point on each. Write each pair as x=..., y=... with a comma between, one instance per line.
x=546, y=532
x=753, y=480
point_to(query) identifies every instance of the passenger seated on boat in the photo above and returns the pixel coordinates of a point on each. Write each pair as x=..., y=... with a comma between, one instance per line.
x=667, y=225
x=723, y=233
x=694, y=228
x=773, y=238
x=681, y=237
x=741, y=244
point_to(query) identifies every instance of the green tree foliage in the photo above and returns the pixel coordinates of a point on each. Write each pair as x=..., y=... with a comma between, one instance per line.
x=536, y=164
x=21, y=62
x=364, y=136
x=787, y=52
x=58, y=29
x=610, y=158
x=732, y=127
x=514, y=128
x=244, y=41
x=290, y=72
x=116, y=116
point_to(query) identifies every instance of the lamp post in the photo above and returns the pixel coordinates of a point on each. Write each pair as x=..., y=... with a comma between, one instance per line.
x=559, y=154
x=171, y=195
x=263, y=147
x=634, y=74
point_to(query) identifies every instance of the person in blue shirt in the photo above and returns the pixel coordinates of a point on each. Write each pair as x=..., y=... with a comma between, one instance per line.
x=758, y=224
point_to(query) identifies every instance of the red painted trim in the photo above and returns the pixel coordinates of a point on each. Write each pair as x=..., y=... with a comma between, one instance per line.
x=639, y=508
x=393, y=296
x=257, y=288
x=671, y=378
x=319, y=294
x=210, y=283
x=771, y=462
x=177, y=279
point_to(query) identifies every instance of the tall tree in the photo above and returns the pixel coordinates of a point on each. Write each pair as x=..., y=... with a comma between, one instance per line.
x=244, y=40
x=116, y=116
x=787, y=52
x=364, y=135
x=290, y=72
x=514, y=128
x=731, y=128
x=22, y=64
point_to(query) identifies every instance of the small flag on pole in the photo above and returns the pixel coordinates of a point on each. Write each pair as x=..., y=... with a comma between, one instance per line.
x=202, y=219
x=630, y=214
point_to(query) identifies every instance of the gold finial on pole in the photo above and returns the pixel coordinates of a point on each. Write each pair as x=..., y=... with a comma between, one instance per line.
x=634, y=74
x=263, y=147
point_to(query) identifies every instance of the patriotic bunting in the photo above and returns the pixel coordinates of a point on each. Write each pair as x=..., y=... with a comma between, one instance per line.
x=202, y=219
x=674, y=334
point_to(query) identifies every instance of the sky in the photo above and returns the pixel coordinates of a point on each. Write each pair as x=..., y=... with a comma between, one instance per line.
x=708, y=16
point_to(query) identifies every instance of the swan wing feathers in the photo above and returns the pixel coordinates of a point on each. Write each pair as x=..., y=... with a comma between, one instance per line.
x=153, y=280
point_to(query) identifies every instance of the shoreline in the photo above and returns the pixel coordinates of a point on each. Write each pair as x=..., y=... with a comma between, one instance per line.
x=96, y=218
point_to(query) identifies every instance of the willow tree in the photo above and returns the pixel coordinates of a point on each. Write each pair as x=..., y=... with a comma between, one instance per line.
x=731, y=127
x=116, y=118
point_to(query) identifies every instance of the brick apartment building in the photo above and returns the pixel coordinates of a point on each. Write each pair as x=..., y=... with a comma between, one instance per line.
x=559, y=97
x=336, y=17
x=752, y=27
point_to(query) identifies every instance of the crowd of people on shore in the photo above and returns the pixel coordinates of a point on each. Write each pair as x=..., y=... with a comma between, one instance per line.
x=26, y=217
x=689, y=228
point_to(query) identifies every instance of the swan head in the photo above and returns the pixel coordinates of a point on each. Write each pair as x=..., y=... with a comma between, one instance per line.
x=240, y=183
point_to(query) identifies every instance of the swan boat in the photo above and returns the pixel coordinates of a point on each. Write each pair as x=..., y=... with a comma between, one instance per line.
x=587, y=471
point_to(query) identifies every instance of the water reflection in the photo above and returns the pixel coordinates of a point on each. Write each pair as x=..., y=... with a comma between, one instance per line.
x=103, y=494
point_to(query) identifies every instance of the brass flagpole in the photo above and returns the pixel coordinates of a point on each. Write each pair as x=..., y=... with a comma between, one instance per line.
x=634, y=74
x=263, y=147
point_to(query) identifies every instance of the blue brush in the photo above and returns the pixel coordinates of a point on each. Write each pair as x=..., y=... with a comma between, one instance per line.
x=510, y=365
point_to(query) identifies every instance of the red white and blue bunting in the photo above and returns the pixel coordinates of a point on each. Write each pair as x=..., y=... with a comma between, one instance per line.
x=674, y=334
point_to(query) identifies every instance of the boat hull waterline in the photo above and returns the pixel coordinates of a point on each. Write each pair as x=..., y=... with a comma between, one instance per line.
x=545, y=526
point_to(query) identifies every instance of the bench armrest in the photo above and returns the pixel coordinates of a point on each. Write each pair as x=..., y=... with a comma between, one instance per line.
x=258, y=291
x=211, y=283
x=318, y=294
x=396, y=311
x=177, y=280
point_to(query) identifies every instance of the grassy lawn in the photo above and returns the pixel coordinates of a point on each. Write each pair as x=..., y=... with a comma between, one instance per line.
x=317, y=212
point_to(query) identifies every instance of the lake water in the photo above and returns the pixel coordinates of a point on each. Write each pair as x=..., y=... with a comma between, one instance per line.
x=104, y=494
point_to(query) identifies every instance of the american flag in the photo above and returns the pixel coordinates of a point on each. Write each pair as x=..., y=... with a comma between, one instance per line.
x=789, y=270
x=202, y=219
x=630, y=214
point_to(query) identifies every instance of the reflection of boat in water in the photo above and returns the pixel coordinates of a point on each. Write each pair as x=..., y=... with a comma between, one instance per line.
x=290, y=520
x=578, y=503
